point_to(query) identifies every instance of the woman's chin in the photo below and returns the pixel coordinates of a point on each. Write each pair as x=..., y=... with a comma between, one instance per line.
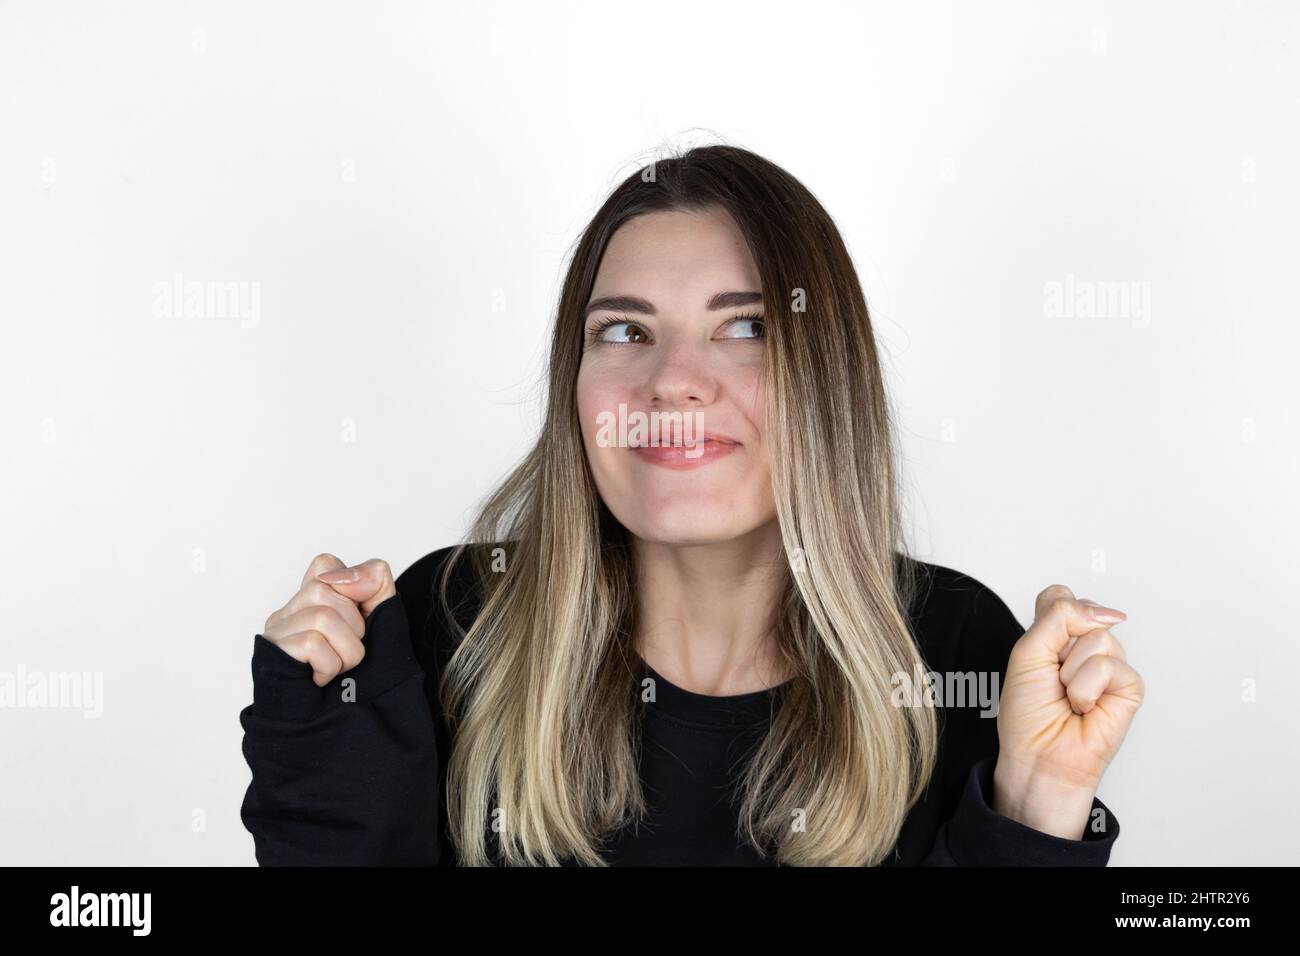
x=686, y=527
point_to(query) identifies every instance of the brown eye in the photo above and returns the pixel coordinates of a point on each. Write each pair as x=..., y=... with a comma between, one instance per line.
x=620, y=333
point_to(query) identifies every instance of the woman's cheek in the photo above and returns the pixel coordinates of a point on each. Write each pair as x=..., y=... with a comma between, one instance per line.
x=747, y=384
x=598, y=398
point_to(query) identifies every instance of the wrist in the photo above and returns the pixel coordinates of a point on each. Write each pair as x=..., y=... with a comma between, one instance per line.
x=1041, y=801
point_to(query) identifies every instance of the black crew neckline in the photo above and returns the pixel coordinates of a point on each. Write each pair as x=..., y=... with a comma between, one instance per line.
x=731, y=710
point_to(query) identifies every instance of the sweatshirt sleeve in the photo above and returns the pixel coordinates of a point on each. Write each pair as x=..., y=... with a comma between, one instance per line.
x=978, y=836
x=345, y=774
x=975, y=834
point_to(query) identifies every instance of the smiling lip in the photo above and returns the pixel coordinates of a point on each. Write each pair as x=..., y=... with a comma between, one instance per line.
x=675, y=456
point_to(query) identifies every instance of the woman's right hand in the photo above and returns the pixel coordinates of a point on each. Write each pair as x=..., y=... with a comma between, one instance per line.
x=323, y=624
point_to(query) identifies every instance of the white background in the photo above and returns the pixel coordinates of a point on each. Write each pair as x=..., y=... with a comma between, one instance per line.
x=402, y=182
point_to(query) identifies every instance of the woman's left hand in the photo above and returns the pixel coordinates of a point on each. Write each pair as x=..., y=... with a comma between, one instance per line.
x=1066, y=705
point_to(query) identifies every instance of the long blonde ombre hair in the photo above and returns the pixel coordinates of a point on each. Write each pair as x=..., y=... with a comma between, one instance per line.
x=541, y=692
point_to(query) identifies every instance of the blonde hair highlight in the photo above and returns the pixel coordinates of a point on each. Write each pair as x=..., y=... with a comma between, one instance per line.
x=540, y=692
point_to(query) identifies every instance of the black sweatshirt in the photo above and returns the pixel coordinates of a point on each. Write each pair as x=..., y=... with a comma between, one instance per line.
x=360, y=782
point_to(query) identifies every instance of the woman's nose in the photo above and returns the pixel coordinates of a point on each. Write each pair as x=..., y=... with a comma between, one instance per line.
x=681, y=376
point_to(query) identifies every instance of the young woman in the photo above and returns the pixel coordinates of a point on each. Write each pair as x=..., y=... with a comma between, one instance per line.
x=698, y=640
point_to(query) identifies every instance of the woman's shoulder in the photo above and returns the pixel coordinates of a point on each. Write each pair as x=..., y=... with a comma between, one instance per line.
x=960, y=621
x=425, y=573
x=958, y=618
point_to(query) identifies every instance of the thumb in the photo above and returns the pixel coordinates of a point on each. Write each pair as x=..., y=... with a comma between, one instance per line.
x=1060, y=619
x=369, y=583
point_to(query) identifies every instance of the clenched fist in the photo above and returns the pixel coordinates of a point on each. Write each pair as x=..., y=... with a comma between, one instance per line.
x=1067, y=703
x=324, y=623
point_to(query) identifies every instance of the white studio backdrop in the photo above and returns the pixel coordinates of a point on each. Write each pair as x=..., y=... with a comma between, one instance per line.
x=1076, y=225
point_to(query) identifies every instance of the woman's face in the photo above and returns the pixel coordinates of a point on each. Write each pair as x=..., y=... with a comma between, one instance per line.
x=682, y=347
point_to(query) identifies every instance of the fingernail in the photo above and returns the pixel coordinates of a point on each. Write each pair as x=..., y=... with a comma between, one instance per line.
x=1108, y=615
x=341, y=576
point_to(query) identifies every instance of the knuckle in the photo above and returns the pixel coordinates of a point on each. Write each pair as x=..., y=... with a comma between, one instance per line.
x=1061, y=605
x=330, y=671
x=309, y=641
x=322, y=615
x=317, y=592
x=323, y=562
x=354, y=657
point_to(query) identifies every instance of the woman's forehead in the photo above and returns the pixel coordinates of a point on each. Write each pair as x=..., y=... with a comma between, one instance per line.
x=677, y=259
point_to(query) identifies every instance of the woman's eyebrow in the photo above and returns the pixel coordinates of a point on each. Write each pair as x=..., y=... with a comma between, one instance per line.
x=632, y=303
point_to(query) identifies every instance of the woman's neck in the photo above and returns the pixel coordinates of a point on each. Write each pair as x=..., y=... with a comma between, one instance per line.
x=706, y=614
